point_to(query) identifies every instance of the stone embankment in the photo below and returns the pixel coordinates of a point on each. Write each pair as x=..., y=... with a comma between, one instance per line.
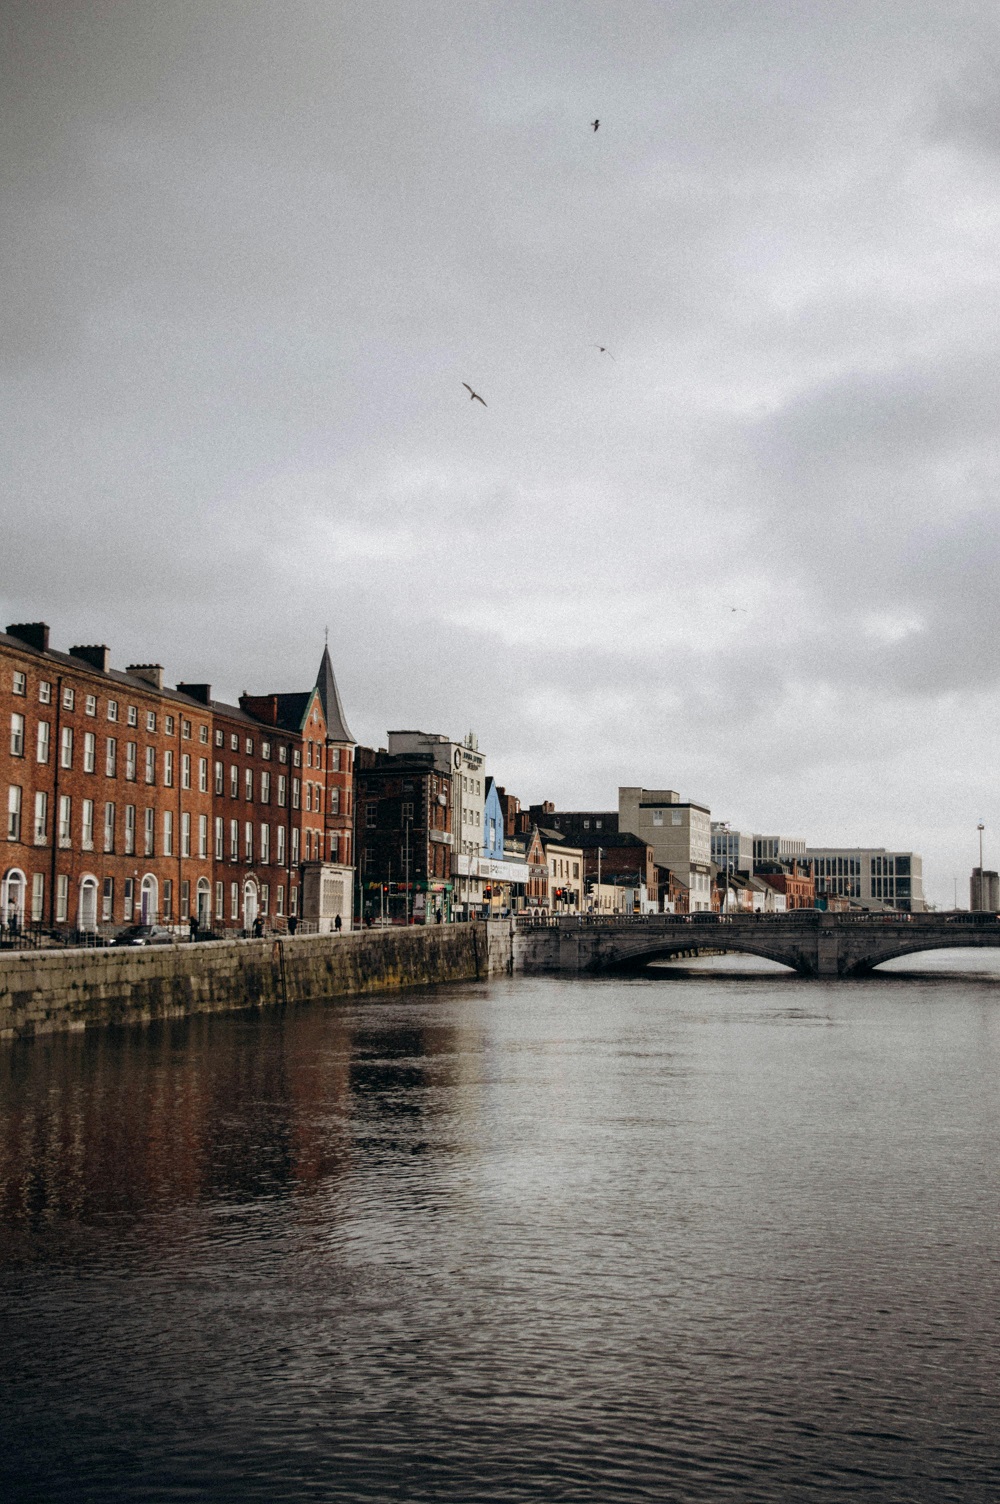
x=47, y=991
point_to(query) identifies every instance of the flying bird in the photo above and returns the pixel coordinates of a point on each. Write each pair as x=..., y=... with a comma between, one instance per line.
x=473, y=396
x=595, y=124
x=739, y=608
x=604, y=350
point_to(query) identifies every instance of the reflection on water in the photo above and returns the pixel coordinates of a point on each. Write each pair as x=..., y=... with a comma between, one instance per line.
x=716, y=1234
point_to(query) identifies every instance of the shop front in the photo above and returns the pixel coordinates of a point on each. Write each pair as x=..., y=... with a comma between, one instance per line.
x=408, y=903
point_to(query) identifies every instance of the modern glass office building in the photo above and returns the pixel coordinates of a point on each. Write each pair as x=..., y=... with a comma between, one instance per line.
x=871, y=875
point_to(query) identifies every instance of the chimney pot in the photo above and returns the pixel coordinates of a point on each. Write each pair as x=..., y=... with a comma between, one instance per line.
x=34, y=633
x=152, y=673
x=97, y=655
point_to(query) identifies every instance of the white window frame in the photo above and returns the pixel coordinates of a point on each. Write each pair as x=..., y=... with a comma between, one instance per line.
x=41, y=816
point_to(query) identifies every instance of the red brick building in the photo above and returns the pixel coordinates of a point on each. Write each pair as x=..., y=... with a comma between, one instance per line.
x=120, y=804
x=106, y=784
x=794, y=879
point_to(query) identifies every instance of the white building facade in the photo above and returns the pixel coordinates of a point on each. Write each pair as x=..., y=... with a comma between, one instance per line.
x=871, y=875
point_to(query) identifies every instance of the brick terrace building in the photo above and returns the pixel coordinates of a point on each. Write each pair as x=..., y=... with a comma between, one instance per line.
x=794, y=879
x=105, y=780
x=319, y=888
x=119, y=797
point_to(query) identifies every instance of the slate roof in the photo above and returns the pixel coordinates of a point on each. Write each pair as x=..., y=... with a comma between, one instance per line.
x=113, y=675
x=337, y=728
x=589, y=840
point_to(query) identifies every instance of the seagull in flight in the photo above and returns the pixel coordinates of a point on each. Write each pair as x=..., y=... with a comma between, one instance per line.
x=739, y=608
x=604, y=350
x=473, y=396
x=595, y=124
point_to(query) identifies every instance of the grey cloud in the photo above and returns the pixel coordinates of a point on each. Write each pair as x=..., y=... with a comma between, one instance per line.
x=250, y=253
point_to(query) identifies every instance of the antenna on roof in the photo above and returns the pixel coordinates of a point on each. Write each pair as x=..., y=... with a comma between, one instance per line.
x=326, y=636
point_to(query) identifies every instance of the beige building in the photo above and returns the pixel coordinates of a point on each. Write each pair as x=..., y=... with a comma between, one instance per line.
x=607, y=899
x=565, y=864
x=679, y=832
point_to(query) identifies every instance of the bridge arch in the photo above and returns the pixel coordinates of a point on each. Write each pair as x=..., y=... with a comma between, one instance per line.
x=971, y=940
x=627, y=958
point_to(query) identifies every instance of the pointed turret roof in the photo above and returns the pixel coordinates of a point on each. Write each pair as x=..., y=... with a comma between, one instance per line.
x=336, y=725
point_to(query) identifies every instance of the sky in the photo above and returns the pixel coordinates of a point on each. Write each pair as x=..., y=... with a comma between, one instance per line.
x=252, y=251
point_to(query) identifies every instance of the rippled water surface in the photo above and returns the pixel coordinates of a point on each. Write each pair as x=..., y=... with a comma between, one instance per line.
x=708, y=1235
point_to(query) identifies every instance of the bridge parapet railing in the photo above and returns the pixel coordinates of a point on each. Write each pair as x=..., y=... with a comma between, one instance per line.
x=803, y=917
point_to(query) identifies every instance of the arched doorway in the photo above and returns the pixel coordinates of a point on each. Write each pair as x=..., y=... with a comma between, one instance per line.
x=204, y=898
x=12, y=895
x=249, y=904
x=148, y=900
x=88, y=904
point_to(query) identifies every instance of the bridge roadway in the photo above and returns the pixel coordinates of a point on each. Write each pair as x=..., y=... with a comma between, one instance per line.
x=813, y=943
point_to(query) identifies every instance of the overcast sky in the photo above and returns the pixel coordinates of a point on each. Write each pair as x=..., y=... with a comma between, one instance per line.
x=251, y=251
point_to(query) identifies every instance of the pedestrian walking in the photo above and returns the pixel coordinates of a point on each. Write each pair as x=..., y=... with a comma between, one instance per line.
x=293, y=923
x=338, y=924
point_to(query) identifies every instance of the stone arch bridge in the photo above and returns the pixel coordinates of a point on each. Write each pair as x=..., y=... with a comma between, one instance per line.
x=813, y=943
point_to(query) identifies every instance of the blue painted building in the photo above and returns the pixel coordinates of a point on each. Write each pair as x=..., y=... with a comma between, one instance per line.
x=492, y=823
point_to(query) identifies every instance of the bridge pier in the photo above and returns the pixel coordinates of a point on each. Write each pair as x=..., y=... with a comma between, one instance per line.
x=829, y=958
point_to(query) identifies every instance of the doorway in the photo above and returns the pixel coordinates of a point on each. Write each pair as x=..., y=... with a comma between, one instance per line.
x=147, y=900
x=88, y=904
x=12, y=899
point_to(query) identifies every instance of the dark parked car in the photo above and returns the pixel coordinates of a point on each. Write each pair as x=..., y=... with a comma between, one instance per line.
x=145, y=934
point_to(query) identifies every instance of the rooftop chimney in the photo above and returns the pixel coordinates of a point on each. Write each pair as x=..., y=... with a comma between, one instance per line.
x=261, y=707
x=150, y=673
x=34, y=633
x=200, y=692
x=97, y=657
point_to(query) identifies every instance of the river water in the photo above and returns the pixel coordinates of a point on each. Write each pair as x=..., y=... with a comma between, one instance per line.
x=715, y=1234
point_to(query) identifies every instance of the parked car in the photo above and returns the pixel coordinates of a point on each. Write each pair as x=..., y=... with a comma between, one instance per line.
x=145, y=934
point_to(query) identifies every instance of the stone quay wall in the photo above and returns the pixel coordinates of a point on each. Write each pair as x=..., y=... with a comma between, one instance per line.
x=47, y=991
